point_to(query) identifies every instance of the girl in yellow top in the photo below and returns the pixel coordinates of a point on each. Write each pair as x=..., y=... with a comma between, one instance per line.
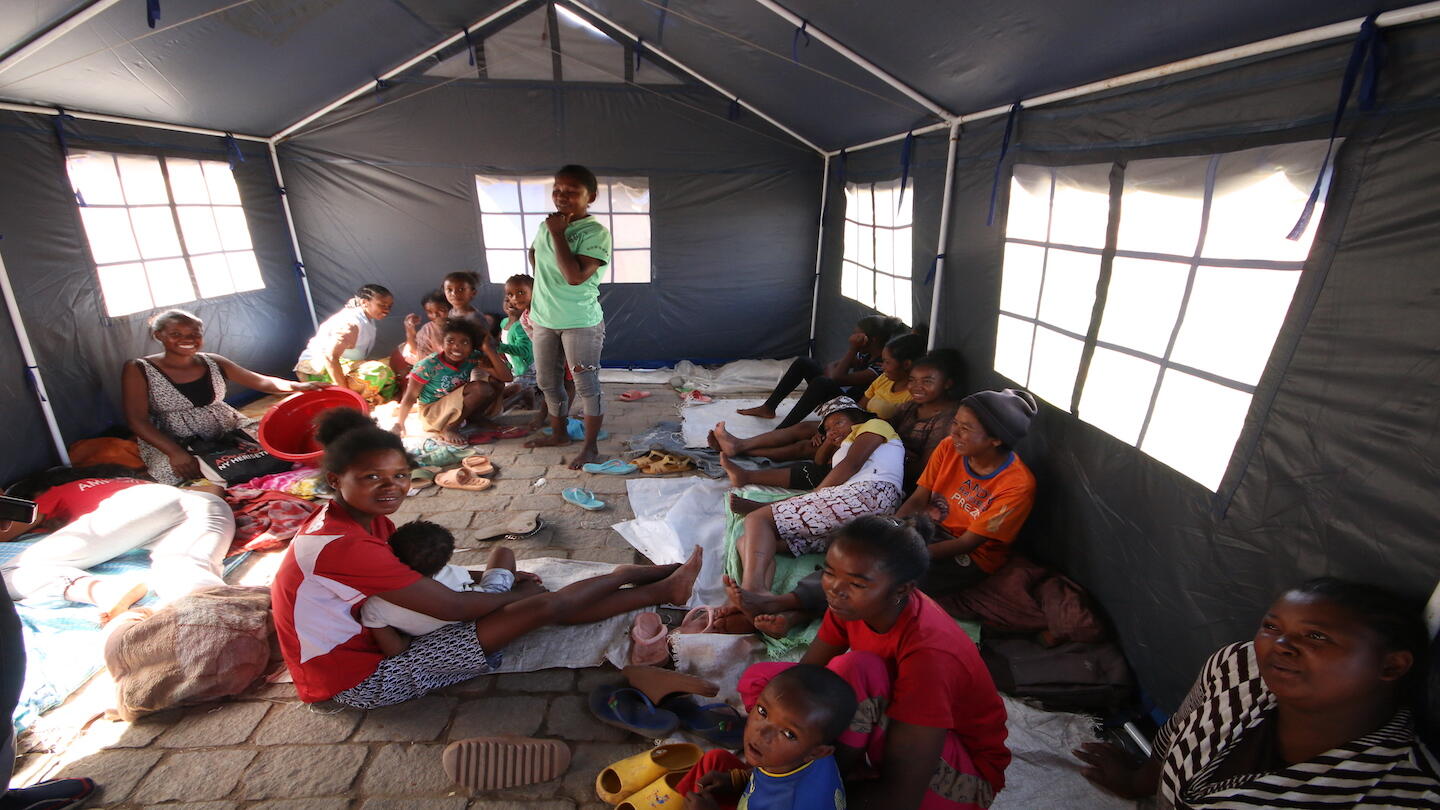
x=891, y=389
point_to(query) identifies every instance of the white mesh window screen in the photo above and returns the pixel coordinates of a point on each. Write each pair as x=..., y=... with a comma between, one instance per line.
x=1197, y=285
x=513, y=210
x=162, y=231
x=876, y=266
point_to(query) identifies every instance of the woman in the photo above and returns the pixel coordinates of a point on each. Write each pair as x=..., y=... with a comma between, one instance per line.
x=178, y=395
x=856, y=369
x=924, y=422
x=93, y=518
x=341, y=556
x=340, y=349
x=1315, y=711
x=930, y=731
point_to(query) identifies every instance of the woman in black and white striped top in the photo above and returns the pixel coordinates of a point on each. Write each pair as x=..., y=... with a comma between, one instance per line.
x=1314, y=713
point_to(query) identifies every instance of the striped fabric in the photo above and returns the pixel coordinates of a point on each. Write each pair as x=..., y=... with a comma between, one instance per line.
x=1387, y=768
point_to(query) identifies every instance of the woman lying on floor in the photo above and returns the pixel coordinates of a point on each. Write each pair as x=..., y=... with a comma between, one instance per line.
x=852, y=374
x=96, y=514
x=341, y=557
x=1315, y=711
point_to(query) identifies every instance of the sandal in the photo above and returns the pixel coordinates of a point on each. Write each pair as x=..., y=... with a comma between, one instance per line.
x=421, y=477
x=614, y=466
x=666, y=464
x=583, y=498
x=649, y=640
x=522, y=523
x=634, y=396
x=627, y=708
x=463, y=478
x=633, y=774
x=478, y=465
x=55, y=794
x=494, y=763
x=717, y=723
x=698, y=620
x=658, y=684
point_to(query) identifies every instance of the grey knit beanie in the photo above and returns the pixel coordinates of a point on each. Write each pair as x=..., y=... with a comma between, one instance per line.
x=1005, y=414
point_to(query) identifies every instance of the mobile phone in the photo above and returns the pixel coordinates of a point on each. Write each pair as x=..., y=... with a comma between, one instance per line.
x=17, y=510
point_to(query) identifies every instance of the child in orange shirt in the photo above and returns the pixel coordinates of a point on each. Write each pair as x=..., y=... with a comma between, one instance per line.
x=977, y=489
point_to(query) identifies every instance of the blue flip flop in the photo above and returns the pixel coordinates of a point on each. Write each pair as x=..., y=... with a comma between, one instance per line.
x=628, y=708
x=583, y=498
x=717, y=722
x=575, y=429
x=614, y=466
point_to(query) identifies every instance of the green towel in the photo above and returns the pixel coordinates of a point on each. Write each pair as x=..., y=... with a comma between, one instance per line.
x=788, y=570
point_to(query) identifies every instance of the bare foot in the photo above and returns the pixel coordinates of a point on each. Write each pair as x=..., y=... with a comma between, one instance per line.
x=682, y=581
x=731, y=621
x=645, y=574
x=713, y=442
x=451, y=437
x=743, y=506
x=776, y=625
x=736, y=473
x=587, y=454
x=729, y=445
x=759, y=410
x=553, y=440
x=755, y=603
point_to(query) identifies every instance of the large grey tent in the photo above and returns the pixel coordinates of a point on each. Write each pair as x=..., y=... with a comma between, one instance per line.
x=356, y=130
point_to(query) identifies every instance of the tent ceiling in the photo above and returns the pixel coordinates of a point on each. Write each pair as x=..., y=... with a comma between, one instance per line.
x=257, y=66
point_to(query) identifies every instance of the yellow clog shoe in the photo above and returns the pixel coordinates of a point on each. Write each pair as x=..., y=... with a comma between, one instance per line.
x=658, y=795
x=632, y=774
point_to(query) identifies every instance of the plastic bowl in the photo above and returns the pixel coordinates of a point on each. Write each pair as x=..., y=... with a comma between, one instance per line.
x=287, y=431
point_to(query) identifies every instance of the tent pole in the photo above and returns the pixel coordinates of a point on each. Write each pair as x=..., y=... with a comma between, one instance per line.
x=28, y=352
x=42, y=40
x=870, y=67
x=294, y=239
x=395, y=71
x=944, y=235
x=1404, y=16
x=651, y=48
x=132, y=122
x=819, y=255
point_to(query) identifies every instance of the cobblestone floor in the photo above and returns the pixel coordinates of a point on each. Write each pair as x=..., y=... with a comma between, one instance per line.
x=265, y=750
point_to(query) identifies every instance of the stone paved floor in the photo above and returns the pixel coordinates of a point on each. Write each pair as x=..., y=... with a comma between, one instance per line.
x=267, y=751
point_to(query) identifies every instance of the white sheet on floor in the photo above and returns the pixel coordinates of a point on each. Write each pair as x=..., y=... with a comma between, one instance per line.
x=741, y=376
x=574, y=646
x=697, y=420
x=637, y=376
x=672, y=516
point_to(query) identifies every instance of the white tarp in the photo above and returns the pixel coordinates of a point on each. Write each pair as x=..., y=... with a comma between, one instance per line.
x=738, y=377
x=574, y=646
x=672, y=516
x=697, y=420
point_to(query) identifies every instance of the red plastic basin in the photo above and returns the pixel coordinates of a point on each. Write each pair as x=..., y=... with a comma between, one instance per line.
x=287, y=430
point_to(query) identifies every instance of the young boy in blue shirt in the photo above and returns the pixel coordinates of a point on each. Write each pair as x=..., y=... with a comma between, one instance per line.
x=789, y=749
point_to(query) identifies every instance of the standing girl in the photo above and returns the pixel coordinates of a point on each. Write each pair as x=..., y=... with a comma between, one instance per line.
x=341, y=557
x=178, y=395
x=569, y=326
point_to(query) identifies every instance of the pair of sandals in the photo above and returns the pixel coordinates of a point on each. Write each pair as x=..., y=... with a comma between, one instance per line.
x=659, y=462
x=471, y=475
x=656, y=702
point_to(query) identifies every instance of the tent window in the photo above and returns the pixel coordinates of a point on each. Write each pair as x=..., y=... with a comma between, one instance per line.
x=513, y=210
x=876, y=267
x=1197, y=274
x=162, y=231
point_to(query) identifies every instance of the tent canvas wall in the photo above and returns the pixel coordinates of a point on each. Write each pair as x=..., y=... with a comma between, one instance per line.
x=1333, y=469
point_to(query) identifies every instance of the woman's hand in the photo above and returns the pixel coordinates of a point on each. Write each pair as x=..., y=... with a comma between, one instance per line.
x=306, y=386
x=1110, y=767
x=557, y=222
x=185, y=465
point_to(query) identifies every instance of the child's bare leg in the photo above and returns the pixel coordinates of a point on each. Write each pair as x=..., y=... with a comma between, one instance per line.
x=796, y=451
x=591, y=600
x=559, y=434
x=758, y=546
x=501, y=557
x=759, y=410
x=739, y=476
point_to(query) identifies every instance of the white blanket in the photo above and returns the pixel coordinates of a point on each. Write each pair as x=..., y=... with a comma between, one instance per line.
x=672, y=516
x=697, y=420
x=576, y=646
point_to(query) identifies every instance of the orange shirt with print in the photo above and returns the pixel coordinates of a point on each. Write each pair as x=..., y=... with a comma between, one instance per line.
x=993, y=506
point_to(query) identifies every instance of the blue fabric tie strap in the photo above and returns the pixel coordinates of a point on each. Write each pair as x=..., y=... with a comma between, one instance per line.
x=469, y=45
x=934, y=263
x=734, y=112
x=381, y=85
x=795, y=40
x=152, y=12
x=906, y=149
x=300, y=269
x=1368, y=53
x=1000, y=161
x=660, y=26
x=232, y=151
x=839, y=180
x=639, y=52
x=65, y=149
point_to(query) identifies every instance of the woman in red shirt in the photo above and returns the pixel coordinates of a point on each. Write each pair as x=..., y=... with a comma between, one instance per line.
x=340, y=558
x=930, y=721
